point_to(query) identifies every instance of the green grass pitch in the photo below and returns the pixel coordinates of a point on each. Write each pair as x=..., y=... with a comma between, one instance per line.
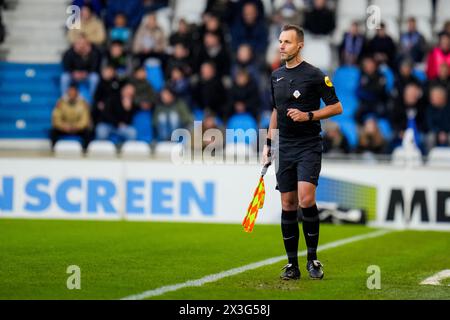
x=120, y=258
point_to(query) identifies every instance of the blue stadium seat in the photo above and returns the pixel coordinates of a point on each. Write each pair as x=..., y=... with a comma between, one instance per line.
x=349, y=104
x=385, y=128
x=346, y=79
x=265, y=120
x=420, y=74
x=142, y=122
x=350, y=130
x=155, y=74
x=198, y=114
x=28, y=95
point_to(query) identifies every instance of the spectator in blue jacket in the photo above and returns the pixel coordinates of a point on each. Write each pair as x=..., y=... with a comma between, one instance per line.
x=412, y=43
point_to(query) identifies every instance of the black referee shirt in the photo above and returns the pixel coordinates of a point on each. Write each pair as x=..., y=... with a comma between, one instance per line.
x=300, y=87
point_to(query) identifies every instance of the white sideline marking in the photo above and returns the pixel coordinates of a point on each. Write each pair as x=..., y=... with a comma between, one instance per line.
x=251, y=266
x=435, y=279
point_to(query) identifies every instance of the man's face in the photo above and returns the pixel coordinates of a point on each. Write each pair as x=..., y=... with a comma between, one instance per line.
x=72, y=94
x=289, y=45
x=244, y=53
x=82, y=46
x=369, y=66
x=250, y=13
x=354, y=29
x=167, y=97
x=85, y=13
x=444, y=43
x=443, y=71
x=140, y=74
x=438, y=97
x=127, y=91
x=411, y=95
x=411, y=25
x=207, y=71
x=108, y=73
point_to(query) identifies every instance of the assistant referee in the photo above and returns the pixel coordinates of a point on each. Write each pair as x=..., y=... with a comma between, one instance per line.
x=297, y=88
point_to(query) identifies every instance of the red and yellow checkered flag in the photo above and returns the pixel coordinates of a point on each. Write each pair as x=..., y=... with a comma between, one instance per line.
x=256, y=203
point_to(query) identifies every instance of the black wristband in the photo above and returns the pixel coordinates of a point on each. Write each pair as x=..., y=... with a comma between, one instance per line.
x=269, y=142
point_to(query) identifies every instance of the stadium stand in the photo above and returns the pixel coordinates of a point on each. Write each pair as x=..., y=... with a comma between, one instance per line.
x=31, y=73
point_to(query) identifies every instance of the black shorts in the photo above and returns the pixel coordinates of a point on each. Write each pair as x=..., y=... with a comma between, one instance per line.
x=298, y=162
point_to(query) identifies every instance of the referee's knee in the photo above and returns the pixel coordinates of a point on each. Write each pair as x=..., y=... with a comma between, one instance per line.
x=289, y=205
x=307, y=201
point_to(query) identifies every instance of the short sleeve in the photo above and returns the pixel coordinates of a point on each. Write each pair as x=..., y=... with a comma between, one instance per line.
x=326, y=89
x=272, y=93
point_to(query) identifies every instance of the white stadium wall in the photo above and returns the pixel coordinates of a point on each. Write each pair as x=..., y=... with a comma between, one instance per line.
x=161, y=191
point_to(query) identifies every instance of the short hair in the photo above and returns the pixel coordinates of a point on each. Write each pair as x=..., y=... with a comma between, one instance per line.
x=298, y=30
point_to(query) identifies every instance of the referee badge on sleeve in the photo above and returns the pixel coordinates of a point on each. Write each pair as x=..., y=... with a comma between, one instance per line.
x=328, y=82
x=296, y=94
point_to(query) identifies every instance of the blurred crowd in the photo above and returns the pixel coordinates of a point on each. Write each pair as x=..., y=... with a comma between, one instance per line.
x=126, y=77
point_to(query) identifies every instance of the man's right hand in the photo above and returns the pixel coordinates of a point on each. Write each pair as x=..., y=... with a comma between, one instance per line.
x=267, y=155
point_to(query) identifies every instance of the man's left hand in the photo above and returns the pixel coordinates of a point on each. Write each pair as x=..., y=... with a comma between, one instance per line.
x=297, y=115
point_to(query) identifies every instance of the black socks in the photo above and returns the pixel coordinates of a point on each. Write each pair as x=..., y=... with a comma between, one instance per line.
x=290, y=231
x=311, y=230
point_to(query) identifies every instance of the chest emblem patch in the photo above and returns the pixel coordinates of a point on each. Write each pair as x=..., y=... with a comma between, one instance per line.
x=296, y=94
